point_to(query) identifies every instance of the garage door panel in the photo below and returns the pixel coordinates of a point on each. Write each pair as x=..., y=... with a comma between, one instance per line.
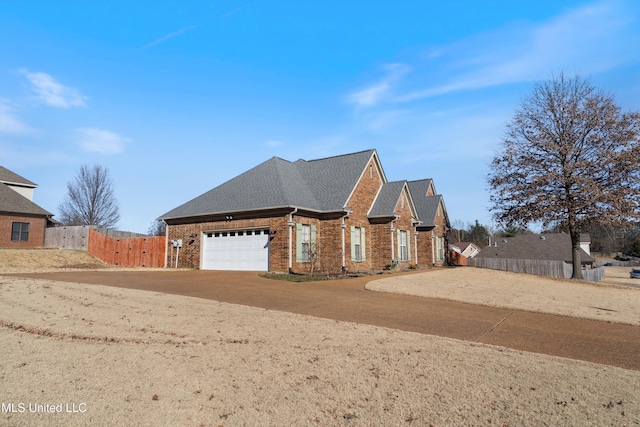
x=236, y=250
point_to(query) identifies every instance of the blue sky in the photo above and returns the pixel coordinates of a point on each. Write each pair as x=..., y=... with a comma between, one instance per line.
x=176, y=97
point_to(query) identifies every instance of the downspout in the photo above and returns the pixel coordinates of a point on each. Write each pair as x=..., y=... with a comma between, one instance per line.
x=433, y=248
x=392, y=229
x=343, y=226
x=291, y=225
x=166, y=242
x=415, y=243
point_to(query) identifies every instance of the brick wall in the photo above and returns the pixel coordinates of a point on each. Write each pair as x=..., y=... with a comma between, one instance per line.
x=426, y=243
x=37, y=226
x=323, y=247
x=191, y=235
x=404, y=223
x=379, y=239
x=360, y=203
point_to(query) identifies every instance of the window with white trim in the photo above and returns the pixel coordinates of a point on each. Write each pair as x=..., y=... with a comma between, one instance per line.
x=440, y=248
x=403, y=250
x=305, y=242
x=358, y=244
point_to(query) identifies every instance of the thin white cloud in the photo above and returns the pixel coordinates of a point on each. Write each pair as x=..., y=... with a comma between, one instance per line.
x=9, y=122
x=588, y=39
x=51, y=92
x=169, y=36
x=274, y=143
x=101, y=141
x=375, y=93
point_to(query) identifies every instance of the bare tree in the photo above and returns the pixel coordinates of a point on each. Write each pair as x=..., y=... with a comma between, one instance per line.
x=157, y=228
x=570, y=156
x=90, y=199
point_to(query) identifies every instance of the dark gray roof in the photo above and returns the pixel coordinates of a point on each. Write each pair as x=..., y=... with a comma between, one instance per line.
x=427, y=206
x=534, y=246
x=322, y=185
x=13, y=202
x=9, y=177
x=387, y=199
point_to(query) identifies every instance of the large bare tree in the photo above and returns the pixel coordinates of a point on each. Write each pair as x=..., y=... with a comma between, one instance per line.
x=90, y=199
x=570, y=156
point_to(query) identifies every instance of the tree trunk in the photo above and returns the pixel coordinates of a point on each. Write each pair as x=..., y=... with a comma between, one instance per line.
x=575, y=255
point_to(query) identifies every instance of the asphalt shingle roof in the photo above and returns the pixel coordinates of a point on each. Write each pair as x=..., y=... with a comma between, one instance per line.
x=13, y=202
x=321, y=185
x=534, y=246
x=426, y=206
x=13, y=178
x=385, y=203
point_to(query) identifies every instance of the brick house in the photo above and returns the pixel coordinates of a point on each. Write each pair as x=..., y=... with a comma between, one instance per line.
x=434, y=222
x=22, y=222
x=333, y=214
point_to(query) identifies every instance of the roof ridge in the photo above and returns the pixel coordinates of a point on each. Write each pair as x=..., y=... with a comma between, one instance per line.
x=285, y=185
x=370, y=150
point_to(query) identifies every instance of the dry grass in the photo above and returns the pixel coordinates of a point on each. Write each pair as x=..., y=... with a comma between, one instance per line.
x=42, y=260
x=143, y=358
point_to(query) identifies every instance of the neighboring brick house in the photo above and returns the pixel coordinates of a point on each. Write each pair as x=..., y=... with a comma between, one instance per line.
x=333, y=214
x=22, y=222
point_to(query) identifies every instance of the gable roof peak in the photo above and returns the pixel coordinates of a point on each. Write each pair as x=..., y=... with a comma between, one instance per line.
x=10, y=177
x=387, y=198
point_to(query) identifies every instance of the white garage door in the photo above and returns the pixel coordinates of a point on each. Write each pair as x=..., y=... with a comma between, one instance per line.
x=236, y=250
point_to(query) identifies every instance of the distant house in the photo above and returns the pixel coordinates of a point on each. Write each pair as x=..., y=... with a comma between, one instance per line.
x=542, y=247
x=22, y=222
x=539, y=254
x=585, y=243
x=460, y=252
x=466, y=249
x=333, y=214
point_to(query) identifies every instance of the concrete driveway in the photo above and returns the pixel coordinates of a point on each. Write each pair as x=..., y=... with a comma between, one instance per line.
x=347, y=300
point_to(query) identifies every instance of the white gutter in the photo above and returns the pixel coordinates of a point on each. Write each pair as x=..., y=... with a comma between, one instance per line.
x=343, y=226
x=415, y=238
x=166, y=242
x=291, y=225
x=415, y=243
x=392, y=229
x=433, y=245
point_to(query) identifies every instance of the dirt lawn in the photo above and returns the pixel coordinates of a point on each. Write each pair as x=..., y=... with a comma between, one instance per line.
x=75, y=354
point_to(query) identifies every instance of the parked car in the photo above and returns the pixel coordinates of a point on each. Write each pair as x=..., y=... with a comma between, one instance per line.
x=635, y=274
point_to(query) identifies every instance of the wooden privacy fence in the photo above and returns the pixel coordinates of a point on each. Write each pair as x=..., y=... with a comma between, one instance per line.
x=128, y=252
x=550, y=268
x=118, y=248
x=76, y=237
